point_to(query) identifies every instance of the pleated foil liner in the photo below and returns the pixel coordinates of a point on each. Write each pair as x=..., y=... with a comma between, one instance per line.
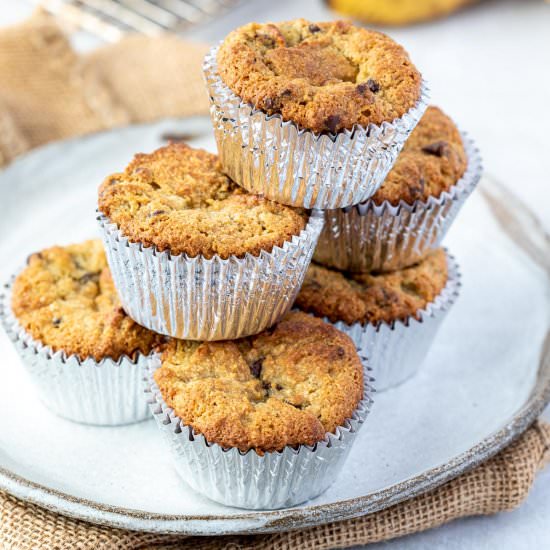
x=104, y=393
x=294, y=166
x=395, y=351
x=248, y=480
x=369, y=237
x=208, y=299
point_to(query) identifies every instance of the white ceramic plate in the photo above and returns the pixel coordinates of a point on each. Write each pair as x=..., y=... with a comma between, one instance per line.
x=485, y=380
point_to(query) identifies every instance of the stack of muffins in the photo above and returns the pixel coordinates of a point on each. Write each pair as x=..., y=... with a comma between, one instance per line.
x=203, y=258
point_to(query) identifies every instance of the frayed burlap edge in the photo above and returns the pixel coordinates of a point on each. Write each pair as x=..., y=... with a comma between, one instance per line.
x=500, y=484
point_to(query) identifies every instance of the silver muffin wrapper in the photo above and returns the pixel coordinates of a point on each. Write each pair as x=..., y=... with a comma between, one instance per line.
x=395, y=351
x=294, y=166
x=248, y=480
x=208, y=299
x=104, y=393
x=369, y=237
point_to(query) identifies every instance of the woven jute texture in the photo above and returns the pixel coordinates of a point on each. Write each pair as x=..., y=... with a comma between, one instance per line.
x=500, y=484
x=49, y=92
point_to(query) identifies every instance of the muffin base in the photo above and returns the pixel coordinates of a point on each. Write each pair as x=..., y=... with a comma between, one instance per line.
x=104, y=393
x=208, y=299
x=248, y=480
x=369, y=237
x=395, y=351
x=294, y=166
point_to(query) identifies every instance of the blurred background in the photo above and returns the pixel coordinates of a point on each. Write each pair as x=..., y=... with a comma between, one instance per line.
x=487, y=64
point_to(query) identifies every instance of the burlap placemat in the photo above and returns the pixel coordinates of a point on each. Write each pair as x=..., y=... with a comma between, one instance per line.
x=49, y=92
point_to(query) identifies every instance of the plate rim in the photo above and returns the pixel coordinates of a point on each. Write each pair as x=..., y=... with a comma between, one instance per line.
x=305, y=516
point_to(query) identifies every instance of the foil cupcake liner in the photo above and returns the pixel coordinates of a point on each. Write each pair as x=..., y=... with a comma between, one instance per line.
x=369, y=237
x=208, y=299
x=104, y=393
x=294, y=166
x=395, y=351
x=248, y=480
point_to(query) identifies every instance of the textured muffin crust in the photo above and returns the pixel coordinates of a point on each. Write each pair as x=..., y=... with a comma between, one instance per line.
x=325, y=77
x=65, y=299
x=289, y=385
x=369, y=298
x=431, y=162
x=178, y=199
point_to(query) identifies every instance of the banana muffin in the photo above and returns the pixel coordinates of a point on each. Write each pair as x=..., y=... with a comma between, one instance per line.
x=325, y=77
x=84, y=354
x=179, y=200
x=373, y=298
x=65, y=299
x=392, y=318
x=411, y=212
x=287, y=386
x=432, y=160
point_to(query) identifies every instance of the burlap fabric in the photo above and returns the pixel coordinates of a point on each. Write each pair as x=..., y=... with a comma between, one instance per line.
x=49, y=92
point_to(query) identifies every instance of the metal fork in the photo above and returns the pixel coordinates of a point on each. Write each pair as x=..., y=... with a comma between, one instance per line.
x=110, y=19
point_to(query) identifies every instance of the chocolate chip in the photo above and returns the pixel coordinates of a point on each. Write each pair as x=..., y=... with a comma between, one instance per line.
x=157, y=213
x=278, y=387
x=269, y=103
x=266, y=385
x=341, y=352
x=286, y=93
x=300, y=407
x=154, y=185
x=256, y=367
x=438, y=148
x=56, y=321
x=373, y=85
x=332, y=123
x=370, y=85
x=87, y=277
x=314, y=28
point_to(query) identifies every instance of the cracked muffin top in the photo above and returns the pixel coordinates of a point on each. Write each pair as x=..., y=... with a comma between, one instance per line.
x=178, y=199
x=432, y=160
x=325, y=77
x=65, y=298
x=288, y=385
x=370, y=298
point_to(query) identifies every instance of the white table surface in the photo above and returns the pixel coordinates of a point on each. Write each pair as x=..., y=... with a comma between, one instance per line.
x=489, y=68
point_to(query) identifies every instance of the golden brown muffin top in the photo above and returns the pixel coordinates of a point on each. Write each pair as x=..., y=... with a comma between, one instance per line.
x=369, y=298
x=178, y=199
x=325, y=77
x=288, y=385
x=65, y=298
x=431, y=162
